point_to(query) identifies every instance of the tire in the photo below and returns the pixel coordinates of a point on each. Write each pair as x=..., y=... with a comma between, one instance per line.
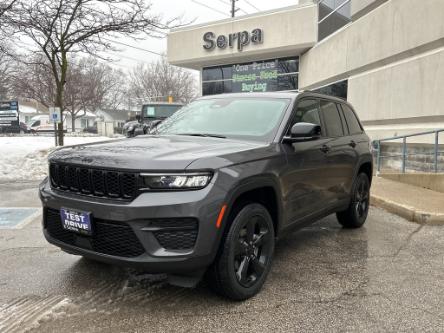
x=245, y=256
x=356, y=214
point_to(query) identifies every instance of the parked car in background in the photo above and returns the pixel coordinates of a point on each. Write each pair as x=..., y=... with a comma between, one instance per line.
x=152, y=114
x=215, y=187
x=91, y=129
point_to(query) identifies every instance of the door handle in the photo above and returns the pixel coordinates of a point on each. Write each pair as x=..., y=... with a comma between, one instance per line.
x=325, y=148
x=352, y=144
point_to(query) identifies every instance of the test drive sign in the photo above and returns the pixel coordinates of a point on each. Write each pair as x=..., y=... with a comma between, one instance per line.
x=237, y=39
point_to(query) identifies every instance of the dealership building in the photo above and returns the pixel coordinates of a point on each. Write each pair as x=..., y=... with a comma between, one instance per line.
x=384, y=56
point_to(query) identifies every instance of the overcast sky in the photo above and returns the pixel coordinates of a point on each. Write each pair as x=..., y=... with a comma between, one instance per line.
x=190, y=10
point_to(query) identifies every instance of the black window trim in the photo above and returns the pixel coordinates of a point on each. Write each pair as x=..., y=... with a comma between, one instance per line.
x=293, y=115
x=345, y=127
x=323, y=120
x=357, y=118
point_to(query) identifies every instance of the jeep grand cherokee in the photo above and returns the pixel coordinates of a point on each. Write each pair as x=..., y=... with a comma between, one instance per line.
x=213, y=189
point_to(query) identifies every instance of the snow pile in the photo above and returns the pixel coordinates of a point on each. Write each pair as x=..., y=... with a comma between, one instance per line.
x=25, y=158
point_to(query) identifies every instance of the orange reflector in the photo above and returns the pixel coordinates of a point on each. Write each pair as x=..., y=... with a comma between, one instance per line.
x=221, y=216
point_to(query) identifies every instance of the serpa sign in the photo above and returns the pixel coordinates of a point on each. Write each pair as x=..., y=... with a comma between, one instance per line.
x=238, y=39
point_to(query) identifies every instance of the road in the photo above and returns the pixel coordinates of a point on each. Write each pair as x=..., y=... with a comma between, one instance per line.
x=387, y=276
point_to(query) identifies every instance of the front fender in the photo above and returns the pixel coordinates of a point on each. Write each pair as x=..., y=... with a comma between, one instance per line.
x=251, y=183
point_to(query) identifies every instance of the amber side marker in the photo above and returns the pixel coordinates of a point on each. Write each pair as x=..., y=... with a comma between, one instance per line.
x=221, y=216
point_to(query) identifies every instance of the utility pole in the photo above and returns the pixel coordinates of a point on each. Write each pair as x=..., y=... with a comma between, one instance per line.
x=233, y=8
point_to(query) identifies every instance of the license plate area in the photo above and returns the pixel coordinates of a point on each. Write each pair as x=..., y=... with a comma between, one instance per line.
x=76, y=221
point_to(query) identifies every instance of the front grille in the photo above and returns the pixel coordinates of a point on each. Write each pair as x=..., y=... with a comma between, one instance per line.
x=109, y=237
x=95, y=182
x=176, y=234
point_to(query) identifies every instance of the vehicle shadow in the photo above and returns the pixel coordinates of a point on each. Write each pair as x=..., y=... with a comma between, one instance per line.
x=306, y=264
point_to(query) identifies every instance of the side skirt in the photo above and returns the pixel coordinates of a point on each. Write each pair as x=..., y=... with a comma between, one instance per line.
x=312, y=218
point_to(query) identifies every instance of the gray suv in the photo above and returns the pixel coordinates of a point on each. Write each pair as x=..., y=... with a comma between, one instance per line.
x=213, y=189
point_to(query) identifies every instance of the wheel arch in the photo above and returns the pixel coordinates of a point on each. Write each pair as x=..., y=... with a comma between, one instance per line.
x=365, y=165
x=263, y=190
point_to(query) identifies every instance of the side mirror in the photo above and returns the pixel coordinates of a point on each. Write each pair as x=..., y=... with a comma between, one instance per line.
x=304, y=132
x=138, y=117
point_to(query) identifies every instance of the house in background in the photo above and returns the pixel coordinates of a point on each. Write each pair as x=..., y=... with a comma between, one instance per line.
x=26, y=113
x=29, y=108
x=85, y=119
x=117, y=117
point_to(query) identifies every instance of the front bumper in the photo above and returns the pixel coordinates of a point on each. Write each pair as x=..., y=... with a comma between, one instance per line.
x=138, y=215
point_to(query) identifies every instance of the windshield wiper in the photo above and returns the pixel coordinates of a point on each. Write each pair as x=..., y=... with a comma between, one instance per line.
x=206, y=135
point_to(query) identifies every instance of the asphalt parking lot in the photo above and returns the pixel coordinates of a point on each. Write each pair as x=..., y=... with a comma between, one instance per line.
x=387, y=276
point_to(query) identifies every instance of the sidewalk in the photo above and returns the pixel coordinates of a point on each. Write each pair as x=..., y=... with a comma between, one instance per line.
x=413, y=203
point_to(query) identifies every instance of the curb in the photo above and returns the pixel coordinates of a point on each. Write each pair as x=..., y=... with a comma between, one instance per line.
x=407, y=212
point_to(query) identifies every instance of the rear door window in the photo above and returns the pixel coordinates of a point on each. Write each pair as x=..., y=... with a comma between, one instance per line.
x=332, y=119
x=352, y=121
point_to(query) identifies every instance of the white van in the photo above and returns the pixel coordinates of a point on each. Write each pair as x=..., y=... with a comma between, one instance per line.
x=40, y=123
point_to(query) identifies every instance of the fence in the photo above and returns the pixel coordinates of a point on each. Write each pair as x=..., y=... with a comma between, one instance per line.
x=397, y=153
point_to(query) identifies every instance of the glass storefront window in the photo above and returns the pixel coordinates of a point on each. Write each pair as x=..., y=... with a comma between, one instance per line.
x=338, y=89
x=326, y=7
x=214, y=88
x=333, y=15
x=258, y=76
x=287, y=82
x=217, y=73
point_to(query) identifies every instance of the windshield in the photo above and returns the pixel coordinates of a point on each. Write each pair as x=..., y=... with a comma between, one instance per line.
x=251, y=118
x=159, y=111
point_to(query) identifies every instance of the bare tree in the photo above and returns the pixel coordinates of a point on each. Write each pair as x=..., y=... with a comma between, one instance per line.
x=6, y=67
x=34, y=81
x=5, y=6
x=90, y=85
x=158, y=80
x=64, y=27
x=115, y=86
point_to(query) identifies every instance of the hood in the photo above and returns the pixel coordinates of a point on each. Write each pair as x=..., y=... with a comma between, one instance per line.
x=149, y=152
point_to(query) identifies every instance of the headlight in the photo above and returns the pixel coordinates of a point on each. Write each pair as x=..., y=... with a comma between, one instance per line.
x=176, y=181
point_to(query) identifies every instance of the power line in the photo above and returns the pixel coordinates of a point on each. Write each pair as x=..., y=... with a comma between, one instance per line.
x=233, y=6
x=101, y=12
x=225, y=2
x=243, y=11
x=234, y=9
x=249, y=3
x=117, y=55
x=134, y=47
x=213, y=9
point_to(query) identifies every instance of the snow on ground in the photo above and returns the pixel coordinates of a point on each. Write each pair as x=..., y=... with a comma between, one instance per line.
x=24, y=158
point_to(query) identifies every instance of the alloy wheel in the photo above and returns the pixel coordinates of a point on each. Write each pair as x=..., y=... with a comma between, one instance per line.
x=362, y=196
x=252, y=251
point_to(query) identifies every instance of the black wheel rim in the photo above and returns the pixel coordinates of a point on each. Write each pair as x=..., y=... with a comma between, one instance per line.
x=252, y=251
x=362, y=196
